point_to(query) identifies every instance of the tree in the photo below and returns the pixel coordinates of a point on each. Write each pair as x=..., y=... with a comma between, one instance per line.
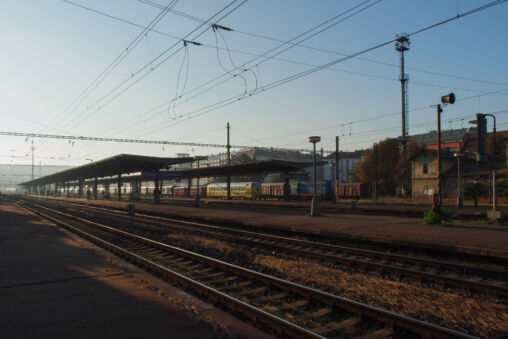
x=353, y=174
x=474, y=190
x=500, y=148
x=502, y=187
x=388, y=159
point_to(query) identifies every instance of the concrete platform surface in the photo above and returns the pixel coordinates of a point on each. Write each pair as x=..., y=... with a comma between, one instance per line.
x=54, y=284
x=477, y=239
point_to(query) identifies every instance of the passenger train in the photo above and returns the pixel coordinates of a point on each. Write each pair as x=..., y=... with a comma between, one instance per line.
x=247, y=190
x=244, y=190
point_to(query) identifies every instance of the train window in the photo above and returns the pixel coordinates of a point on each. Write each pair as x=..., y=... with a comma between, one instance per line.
x=425, y=168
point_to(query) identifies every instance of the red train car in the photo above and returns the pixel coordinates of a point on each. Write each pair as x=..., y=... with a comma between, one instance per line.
x=272, y=190
x=183, y=191
x=353, y=190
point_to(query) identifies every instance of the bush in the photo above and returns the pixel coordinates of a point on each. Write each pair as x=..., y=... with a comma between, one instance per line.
x=436, y=215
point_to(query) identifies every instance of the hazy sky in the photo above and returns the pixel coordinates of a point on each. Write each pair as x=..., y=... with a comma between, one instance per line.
x=54, y=75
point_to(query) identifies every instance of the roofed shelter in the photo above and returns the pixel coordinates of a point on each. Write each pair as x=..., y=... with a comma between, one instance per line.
x=153, y=168
x=254, y=167
x=118, y=165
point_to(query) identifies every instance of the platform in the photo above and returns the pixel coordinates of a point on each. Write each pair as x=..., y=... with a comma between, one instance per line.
x=54, y=284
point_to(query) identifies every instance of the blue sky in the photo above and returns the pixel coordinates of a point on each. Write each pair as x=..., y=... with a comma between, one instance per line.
x=53, y=50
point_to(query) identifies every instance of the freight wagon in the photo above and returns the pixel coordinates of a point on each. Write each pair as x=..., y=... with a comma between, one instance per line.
x=183, y=191
x=353, y=190
x=276, y=190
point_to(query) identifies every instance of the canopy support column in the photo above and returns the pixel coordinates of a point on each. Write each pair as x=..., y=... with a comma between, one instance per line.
x=156, y=189
x=119, y=187
x=80, y=188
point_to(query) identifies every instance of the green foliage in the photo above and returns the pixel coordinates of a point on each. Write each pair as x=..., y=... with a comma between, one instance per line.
x=474, y=190
x=502, y=187
x=353, y=174
x=436, y=215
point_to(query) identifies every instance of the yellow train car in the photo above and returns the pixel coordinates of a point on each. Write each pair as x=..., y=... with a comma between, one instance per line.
x=246, y=190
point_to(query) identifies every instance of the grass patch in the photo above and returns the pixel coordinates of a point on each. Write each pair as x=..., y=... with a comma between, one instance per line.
x=436, y=215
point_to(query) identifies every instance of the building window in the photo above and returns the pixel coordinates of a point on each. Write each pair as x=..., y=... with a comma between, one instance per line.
x=425, y=168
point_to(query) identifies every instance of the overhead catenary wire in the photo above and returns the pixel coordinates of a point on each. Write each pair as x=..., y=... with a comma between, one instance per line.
x=224, y=68
x=112, y=66
x=102, y=102
x=274, y=84
x=264, y=37
x=145, y=117
x=346, y=71
x=150, y=63
x=358, y=9
x=331, y=23
x=296, y=44
x=121, y=56
x=177, y=95
x=121, y=140
x=344, y=15
x=475, y=96
x=336, y=52
x=212, y=145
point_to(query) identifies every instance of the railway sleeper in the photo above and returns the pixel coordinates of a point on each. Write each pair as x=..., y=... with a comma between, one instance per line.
x=194, y=267
x=182, y=264
x=222, y=281
x=203, y=278
x=233, y=287
x=249, y=292
x=315, y=315
x=294, y=305
x=380, y=333
x=272, y=297
x=346, y=326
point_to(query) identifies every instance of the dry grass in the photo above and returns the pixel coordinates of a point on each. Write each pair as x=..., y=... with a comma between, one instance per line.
x=464, y=314
x=212, y=247
x=449, y=310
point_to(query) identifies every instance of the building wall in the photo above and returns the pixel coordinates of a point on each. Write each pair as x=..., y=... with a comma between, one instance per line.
x=425, y=184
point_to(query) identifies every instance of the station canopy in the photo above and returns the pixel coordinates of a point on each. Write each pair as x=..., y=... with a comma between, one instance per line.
x=119, y=164
x=255, y=167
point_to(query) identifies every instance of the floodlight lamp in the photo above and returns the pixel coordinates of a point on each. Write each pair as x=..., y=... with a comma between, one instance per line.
x=314, y=139
x=448, y=99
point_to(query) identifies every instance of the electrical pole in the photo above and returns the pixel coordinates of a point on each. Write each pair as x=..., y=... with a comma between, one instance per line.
x=32, y=148
x=374, y=182
x=402, y=45
x=337, y=179
x=228, y=147
x=445, y=100
x=438, y=199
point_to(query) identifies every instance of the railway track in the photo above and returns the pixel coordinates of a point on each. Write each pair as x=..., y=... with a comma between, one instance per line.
x=289, y=309
x=446, y=274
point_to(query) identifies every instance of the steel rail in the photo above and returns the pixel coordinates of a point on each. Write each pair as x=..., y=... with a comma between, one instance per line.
x=394, y=320
x=313, y=249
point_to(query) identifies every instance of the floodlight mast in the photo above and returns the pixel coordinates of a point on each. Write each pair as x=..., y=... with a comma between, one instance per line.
x=402, y=45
